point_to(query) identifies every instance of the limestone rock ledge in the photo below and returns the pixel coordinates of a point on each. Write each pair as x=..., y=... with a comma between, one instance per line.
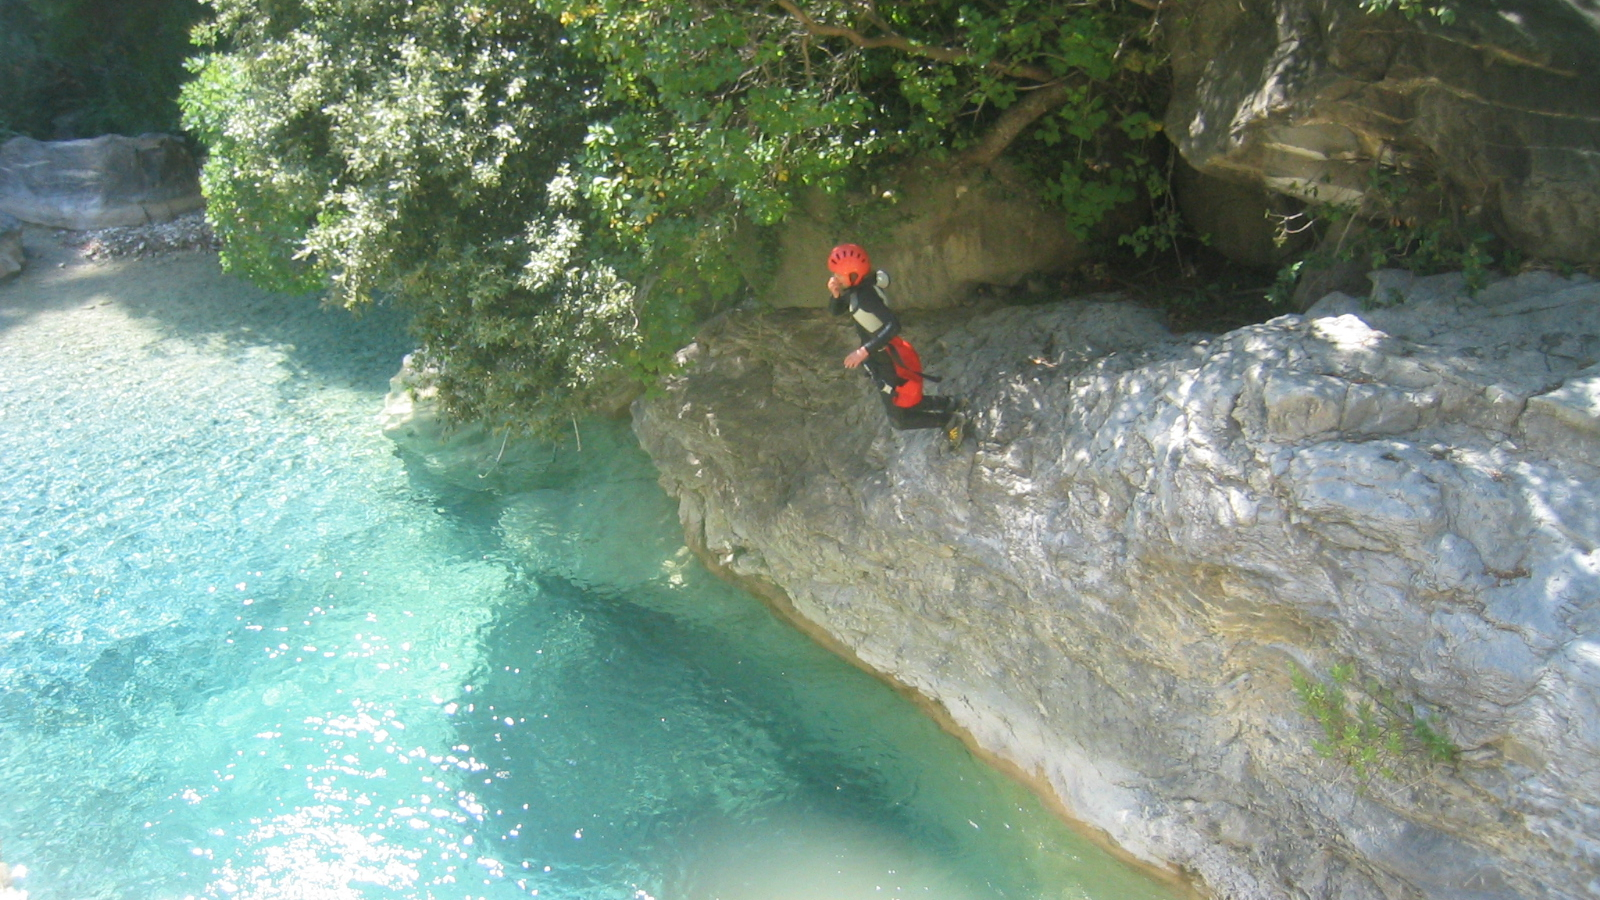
x=1112, y=585
x=105, y=182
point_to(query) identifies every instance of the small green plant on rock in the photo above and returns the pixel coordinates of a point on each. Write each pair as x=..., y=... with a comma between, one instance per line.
x=1367, y=728
x=1408, y=219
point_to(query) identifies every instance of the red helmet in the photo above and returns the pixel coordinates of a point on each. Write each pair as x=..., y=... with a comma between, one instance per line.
x=850, y=262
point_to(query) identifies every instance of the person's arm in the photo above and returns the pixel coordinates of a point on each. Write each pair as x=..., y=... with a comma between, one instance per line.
x=838, y=305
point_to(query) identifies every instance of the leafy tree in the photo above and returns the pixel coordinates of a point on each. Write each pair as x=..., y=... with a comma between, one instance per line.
x=78, y=68
x=394, y=149
x=561, y=188
x=728, y=107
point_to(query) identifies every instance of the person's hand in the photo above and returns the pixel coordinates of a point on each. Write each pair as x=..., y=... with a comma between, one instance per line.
x=835, y=286
x=856, y=358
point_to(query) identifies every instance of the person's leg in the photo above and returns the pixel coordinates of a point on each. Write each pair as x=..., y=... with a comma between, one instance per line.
x=919, y=416
x=881, y=371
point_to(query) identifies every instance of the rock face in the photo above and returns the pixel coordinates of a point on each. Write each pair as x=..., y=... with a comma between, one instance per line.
x=943, y=236
x=1306, y=96
x=101, y=182
x=1112, y=586
x=11, y=254
x=1236, y=219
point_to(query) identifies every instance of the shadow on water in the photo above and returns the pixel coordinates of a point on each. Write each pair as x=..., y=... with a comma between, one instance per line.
x=612, y=693
x=687, y=743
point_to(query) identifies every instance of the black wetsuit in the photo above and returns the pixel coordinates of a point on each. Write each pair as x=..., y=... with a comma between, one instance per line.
x=876, y=325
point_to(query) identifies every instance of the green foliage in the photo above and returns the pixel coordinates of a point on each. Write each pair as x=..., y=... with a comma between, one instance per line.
x=1444, y=11
x=562, y=189
x=1104, y=149
x=1414, y=223
x=724, y=114
x=385, y=149
x=1406, y=221
x=1367, y=729
x=1282, y=290
x=79, y=68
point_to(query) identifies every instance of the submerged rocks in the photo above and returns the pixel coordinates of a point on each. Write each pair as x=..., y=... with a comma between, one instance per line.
x=101, y=182
x=12, y=257
x=1114, y=585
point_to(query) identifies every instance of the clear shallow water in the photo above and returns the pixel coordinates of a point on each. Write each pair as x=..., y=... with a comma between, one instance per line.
x=244, y=652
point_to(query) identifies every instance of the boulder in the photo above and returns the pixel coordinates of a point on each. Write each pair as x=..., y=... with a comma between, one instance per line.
x=941, y=236
x=100, y=182
x=471, y=456
x=1305, y=97
x=1115, y=585
x=11, y=255
x=1241, y=220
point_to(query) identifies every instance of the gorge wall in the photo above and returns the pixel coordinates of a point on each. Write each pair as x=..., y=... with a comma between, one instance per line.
x=1499, y=100
x=1111, y=586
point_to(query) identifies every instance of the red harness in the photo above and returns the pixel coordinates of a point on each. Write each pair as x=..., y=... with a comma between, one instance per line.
x=907, y=367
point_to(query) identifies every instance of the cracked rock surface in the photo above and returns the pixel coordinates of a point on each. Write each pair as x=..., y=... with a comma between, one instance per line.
x=1313, y=98
x=1111, y=585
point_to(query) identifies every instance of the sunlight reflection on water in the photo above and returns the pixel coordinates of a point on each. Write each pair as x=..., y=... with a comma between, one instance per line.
x=245, y=654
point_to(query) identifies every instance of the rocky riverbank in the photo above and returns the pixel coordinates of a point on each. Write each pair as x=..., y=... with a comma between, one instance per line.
x=1114, y=586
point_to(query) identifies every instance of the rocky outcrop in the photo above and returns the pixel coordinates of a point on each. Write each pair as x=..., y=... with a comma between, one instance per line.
x=1113, y=584
x=1306, y=96
x=944, y=235
x=12, y=257
x=101, y=182
x=1241, y=221
x=468, y=455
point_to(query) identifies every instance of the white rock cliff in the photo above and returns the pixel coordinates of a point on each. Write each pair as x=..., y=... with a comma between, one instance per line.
x=1112, y=585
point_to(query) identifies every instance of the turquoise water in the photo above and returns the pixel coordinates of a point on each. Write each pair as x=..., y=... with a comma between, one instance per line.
x=246, y=653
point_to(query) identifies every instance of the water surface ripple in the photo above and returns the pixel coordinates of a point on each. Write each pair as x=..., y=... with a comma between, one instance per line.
x=245, y=653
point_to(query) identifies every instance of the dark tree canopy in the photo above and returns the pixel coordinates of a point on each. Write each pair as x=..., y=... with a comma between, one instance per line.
x=80, y=68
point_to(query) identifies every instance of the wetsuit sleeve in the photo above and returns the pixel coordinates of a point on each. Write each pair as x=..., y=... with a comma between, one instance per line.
x=870, y=301
x=838, y=306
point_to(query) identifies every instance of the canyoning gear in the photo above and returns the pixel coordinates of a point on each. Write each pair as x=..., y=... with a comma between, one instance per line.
x=869, y=308
x=907, y=368
x=932, y=412
x=891, y=361
x=851, y=263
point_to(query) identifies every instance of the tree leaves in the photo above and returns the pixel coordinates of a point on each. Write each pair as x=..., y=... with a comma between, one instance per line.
x=518, y=171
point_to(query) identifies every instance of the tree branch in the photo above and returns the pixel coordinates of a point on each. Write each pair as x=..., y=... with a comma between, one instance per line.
x=1014, y=121
x=901, y=43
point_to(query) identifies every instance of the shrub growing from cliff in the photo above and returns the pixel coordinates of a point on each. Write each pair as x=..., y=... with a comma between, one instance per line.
x=393, y=150
x=1366, y=728
x=560, y=189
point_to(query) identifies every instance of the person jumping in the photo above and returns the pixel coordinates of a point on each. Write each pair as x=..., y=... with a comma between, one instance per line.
x=887, y=358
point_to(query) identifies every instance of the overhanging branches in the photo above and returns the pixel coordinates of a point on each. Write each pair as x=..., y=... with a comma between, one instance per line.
x=1047, y=92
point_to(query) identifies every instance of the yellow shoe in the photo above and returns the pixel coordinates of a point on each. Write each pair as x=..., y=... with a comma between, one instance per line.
x=956, y=430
